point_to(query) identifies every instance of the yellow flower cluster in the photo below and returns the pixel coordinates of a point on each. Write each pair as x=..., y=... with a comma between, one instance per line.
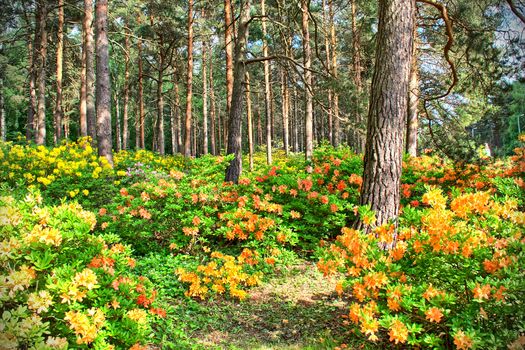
x=137, y=315
x=39, y=302
x=16, y=280
x=45, y=235
x=86, y=326
x=82, y=282
x=225, y=273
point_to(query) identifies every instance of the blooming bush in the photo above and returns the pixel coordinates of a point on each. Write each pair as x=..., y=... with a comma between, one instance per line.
x=60, y=284
x=454, y=275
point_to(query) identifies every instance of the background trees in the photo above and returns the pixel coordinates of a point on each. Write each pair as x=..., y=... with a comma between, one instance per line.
x=48, y=74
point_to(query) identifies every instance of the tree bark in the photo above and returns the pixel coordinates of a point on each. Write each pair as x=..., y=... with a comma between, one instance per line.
x=59, y=113
x=387, y=112
x=189, y=83
x=327, y=38
x=176, y=137
x=307, y=62
x=234, y=170
x=125, y=112
x=213, y=126
x=413, y=103
x=296, y=121
x=204, y=93
x=83, y=84
x=103, y=91
x=118, y=130
x=41, y=74
x=249, y=119
x=160, y=102
x=89, y=47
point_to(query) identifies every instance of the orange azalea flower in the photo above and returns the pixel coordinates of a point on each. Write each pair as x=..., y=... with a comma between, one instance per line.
x=462, y=341
x=398, y=332
x=434, y=314
x=196, y=221
x=481, y=292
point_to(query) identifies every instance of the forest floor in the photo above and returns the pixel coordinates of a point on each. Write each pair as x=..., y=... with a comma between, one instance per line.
x=292, y=310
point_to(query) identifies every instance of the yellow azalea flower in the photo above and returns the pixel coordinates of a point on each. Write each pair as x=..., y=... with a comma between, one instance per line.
x=39, y=302
x=85, y=192
x=137, y=315
x=87, y=278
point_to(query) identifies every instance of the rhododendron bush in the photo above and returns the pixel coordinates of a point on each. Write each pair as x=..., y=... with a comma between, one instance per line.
x=61, y=284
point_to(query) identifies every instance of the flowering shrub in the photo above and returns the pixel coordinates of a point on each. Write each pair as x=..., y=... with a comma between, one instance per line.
x=61, y=284
x=454, y=276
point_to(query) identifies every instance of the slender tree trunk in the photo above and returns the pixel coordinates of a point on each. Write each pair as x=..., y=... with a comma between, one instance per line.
x=335, y=95
x=204, y=94
x=189, y=83
x=267, y=89
x=83, y=83
x=140, y=134
x=194, y=150
x=228, y=43
x=296, y=121
x=125, y=112
x=327, y=38
x=212, y=111
x=118, y=131
x=176, y=137
x=234, y=170
x=160, y=103
x=307, y=62
x=59, y=113
x=356, y=62
x=259, y=119
x=413, y=103
x=30, y=127
x=104, y=140
x=388, y=106
x=41, y=73
x=249, y=118
x=89, y=46
x=285, y=110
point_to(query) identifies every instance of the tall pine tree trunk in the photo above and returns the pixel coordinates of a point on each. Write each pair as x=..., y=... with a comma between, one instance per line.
x=125, y=112
x=140, y=123
x=41, y=73
x=89, y=47
x=213, y=139
x=234, y=170
x=228, y=43
x=387, y=112
x=359, y=145
x=307, y=62
x=31, y=53
x=413, y=103
x=189, y=83
x=333, y=66
x=118, y=130
x=104, y=141
x=204, y=94
x=249, y=119
x=327, y=38
x=3, y=126
x=59, y=113
x=285, y=110
x=267, y=88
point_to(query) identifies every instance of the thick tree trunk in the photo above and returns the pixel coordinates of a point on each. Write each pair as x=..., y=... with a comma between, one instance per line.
x=213, y=126
x=356, y=62
x=125, y=112
x=204, y=94
x=413, y=104
x=89, y=47
x=59, y=113
x=104, y=140
x=189, y=83
x=234, y=170
x=267, y=88
x=41, y=74
x=387, y=112
x=307, y=62
x=249, y=119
